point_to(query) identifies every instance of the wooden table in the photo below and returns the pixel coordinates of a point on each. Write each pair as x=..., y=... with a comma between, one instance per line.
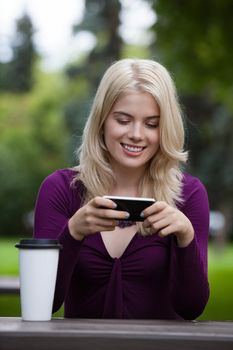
x=90, y=334
x=9, y=285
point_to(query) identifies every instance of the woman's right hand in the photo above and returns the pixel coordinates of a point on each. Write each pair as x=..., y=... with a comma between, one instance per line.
x=96, y=216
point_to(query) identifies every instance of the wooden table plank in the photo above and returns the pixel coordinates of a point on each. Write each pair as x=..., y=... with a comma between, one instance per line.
x=89, y=334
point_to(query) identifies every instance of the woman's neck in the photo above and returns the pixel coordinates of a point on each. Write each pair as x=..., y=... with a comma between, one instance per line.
x=127, y=182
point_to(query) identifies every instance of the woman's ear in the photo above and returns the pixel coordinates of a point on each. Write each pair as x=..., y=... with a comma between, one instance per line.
x=102, y=139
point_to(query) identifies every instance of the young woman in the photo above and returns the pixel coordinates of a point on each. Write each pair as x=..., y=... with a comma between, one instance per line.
x=132, y=146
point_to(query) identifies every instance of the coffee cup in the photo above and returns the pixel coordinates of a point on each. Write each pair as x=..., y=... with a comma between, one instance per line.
x=38, y=262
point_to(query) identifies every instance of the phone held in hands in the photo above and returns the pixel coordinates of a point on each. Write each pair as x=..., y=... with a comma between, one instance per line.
x=133, y=205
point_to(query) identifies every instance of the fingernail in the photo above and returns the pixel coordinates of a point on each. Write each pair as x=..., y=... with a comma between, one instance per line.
x=127, y=215
x=142, y=215
x=114, y=205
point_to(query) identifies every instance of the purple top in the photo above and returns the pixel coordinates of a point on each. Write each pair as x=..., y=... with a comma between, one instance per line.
x=153, y=279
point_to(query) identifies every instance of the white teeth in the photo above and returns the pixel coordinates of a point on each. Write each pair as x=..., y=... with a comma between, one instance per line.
x=132, y=148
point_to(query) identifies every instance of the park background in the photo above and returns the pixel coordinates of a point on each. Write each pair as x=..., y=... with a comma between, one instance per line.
x=43, y=109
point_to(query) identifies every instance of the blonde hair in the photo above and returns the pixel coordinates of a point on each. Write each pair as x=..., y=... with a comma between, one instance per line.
x=163, y=179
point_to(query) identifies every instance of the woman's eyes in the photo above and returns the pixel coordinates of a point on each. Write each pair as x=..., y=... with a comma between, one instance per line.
x=151, y=125
x=123, y=121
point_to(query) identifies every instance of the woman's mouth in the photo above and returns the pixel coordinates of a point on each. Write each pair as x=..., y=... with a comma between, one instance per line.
x=131, y=148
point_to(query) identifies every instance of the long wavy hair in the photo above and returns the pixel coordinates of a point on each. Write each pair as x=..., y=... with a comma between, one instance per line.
x=163, y=177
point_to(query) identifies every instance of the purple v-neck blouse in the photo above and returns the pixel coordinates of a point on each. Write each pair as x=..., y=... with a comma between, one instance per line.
x=153, y=279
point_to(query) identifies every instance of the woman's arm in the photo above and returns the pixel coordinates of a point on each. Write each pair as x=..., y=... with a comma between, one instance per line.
x=59, y=215
x=52, y=212
x=188, y=227
x=189, y=276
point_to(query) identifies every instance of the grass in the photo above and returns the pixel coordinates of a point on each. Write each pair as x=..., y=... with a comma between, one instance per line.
x=219, y=307
x=8, y=256
x=220, y=304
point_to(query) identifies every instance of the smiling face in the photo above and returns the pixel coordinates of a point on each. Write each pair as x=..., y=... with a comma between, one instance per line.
x=131, y=131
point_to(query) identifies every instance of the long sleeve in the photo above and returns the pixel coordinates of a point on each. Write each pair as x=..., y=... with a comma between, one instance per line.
x=169, y=281
x=54, y=207
x=189, y=280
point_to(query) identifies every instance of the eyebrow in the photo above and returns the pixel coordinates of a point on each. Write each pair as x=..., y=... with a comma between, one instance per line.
x=131, y=116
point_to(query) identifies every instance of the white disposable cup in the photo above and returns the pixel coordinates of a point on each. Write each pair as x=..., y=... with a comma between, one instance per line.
x=38, y=262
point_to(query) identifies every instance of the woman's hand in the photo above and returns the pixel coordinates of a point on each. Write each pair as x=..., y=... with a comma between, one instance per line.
x=97, y=215
x=163, y=219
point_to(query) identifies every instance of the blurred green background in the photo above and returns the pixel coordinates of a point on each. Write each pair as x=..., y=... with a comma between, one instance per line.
x=42, y=113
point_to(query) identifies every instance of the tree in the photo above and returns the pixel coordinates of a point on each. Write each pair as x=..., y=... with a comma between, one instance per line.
x=193, y=39
x=102, y=19
x=33, y=144
x=17, y=75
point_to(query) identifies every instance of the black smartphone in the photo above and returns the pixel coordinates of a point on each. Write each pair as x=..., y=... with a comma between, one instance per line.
x=133, y=205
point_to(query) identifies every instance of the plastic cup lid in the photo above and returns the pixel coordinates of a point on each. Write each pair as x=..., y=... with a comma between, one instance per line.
x=38, y=243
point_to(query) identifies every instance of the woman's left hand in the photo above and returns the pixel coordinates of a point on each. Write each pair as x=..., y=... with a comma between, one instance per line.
x=164, y=219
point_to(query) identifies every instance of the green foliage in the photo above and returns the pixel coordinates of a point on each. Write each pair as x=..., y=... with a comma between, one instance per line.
x=135, y=51
x=33, y=143
x=102, y=19
x=194, y=39
x=17, y=75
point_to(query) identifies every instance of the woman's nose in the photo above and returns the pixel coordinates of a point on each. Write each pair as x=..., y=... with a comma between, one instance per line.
x=136, y=131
